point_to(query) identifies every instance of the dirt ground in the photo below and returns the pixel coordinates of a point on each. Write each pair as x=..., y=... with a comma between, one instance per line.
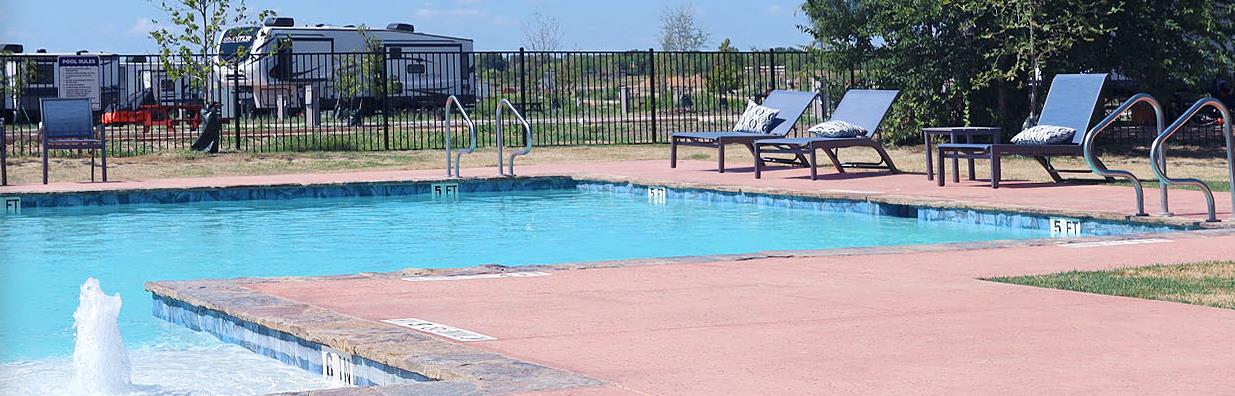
x=1208, y=165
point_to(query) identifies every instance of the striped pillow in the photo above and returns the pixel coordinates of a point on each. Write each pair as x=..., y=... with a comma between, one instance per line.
x=756, y=118
x=837, y=129
x=1044, y=134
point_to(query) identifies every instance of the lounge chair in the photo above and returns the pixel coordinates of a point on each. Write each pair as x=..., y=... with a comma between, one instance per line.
x=861, y=107
x=1070, y=103
x=68, y=124
x=791, y=105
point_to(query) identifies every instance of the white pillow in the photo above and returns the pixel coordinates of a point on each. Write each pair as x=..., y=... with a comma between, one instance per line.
x=756, y=118
x=1044, y=134
x=837, y=129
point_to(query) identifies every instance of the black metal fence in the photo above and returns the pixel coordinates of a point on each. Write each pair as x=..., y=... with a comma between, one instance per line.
x=394, y=100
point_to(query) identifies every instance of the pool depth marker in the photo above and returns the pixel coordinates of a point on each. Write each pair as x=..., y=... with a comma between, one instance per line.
x=439, y=329
x=12, y=205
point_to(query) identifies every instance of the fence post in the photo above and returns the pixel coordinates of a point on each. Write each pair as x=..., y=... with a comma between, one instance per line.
x=655, y=105
x=236, y=110
x=522, y=78
x=772, y=68
x=385, y=102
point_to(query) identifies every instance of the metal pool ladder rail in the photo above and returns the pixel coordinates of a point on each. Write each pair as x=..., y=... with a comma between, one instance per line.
x=527, y=136
x=1091, y=158
x=452, y=100
x=1159, y=147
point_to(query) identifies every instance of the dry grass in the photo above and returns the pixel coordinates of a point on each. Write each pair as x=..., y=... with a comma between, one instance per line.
x=1205, y=165
x=1210, y=283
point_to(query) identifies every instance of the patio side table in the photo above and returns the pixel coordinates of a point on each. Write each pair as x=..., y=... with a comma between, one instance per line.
x=954, y=134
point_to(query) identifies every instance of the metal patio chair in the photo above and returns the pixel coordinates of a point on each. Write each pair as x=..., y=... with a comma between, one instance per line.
x=68, y=124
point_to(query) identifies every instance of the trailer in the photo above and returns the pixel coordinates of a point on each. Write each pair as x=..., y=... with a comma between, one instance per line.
x=271, y=65
x=126, y=84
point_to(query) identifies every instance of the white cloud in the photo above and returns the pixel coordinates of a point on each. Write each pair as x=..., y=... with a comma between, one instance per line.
x=775, y=9
x=142, y=27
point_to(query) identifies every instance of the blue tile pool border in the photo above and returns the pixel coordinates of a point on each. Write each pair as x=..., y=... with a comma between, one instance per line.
x=1000, y=218
x=275, y=344
x=1009, y=219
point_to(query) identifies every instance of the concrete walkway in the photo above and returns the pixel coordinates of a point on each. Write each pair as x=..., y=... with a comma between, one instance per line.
x=918, y=323
x=1111, y=201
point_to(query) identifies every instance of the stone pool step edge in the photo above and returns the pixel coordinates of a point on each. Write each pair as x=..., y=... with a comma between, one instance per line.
x=484, y=372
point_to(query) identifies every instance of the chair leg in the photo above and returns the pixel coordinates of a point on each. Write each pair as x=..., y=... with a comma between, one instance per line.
x=996, y=172
x=814, y=165
x=887, y=159
x=720, y=158
x=673, y=153
x=940, y=160
x=1050, y=169
x=831, y=156
x=44, y=166
x=92, y=166
x=758, y=162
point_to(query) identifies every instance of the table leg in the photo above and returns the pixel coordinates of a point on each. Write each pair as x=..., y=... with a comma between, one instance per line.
x=956, y=164
x=969, y=139
x=930, y=165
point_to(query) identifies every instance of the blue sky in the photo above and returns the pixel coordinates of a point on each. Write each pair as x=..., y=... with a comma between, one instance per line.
x=121, y=25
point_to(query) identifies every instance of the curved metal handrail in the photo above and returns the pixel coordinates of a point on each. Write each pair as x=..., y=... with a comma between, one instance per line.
x=449, y=131
x=1156, y=151
x=1098, y=167
x=527, y=130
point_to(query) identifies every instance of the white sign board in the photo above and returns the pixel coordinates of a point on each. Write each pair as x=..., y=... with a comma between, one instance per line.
x=439, y=329
x=1064, y=227
x=657, y=195
x=78, y=77
x=445, y=190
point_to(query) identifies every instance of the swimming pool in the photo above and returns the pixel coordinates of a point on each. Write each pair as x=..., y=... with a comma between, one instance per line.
x=49, y=251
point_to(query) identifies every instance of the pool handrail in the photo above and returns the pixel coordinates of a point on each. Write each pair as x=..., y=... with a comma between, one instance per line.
x=453, y=100
x=1091, y=158
x=1157, y=150
x=527, y=131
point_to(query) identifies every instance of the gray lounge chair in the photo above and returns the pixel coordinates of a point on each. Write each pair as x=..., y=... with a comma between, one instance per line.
x=791, y=105
x=1070, y=103
x=68, y=124
x=862, y=107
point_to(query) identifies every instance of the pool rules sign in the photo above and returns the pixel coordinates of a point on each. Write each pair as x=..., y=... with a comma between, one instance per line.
x=78, y=77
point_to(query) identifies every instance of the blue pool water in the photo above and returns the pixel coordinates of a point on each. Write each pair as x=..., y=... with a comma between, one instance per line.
x=48, y=252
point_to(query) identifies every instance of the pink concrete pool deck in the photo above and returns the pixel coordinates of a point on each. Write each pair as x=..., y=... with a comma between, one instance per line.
x=916, y=323
x=1091, y=199
x=890, y=321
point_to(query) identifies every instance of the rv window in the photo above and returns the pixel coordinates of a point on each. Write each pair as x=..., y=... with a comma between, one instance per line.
x=167, y=86
x=45, y=73
x=416, y=68
x=396, y=52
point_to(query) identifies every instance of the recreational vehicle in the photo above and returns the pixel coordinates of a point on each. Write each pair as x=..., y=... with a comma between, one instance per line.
x=125, y=83
x=276, y=62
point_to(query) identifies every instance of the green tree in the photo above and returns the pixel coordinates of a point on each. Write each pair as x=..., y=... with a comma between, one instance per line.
x=191, y=32
x=977, y=61
x=362, y=75
x=725, y=75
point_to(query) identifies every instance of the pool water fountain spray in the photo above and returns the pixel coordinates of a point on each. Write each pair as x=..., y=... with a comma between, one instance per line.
x=100, y=360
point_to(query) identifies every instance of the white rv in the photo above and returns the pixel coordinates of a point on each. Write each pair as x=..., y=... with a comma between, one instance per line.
x=281, y=59
x=39, y=72
x=125, y=82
